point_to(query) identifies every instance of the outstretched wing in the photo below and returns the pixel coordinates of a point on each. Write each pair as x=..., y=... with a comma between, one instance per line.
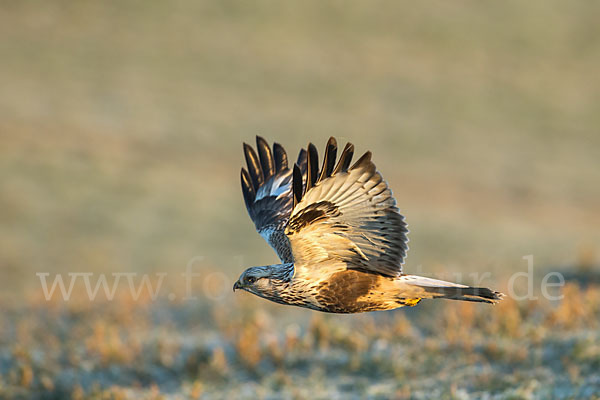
x=345, y=215
x=267, y=189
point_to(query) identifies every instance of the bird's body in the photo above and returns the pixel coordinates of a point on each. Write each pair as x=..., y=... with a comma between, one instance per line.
x=338, y=233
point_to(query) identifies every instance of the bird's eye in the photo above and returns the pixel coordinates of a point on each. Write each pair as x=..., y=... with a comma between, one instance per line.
x=251, y=279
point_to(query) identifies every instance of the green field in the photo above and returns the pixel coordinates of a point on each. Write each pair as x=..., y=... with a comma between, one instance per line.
x=121, y=130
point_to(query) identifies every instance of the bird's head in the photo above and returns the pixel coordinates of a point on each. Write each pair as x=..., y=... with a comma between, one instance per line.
x=265, y=281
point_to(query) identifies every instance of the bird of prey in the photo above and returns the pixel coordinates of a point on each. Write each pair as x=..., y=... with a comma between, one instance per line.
x=340, y=237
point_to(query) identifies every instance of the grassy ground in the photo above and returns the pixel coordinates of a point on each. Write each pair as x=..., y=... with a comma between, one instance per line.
x=121, y=126
x=166, y=350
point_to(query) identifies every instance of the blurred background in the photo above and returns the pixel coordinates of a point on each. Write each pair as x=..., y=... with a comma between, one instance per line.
x=121, y=128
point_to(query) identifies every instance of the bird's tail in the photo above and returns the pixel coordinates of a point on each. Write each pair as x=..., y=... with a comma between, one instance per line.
x=428, y=288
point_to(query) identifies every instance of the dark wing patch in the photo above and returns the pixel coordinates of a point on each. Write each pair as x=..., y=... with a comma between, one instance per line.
x=311, y=214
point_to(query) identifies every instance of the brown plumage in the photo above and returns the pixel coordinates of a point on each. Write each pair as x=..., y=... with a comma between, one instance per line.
x=338, y=232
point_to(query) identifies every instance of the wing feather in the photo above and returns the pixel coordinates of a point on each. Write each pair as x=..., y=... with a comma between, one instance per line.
x=297, y=185
x=345, y=159
x=267, y=190
x=254, y=167
x=348, y=215
x=247, y=189
x=281, y=161
x=266, y=157
x=329, y=159
x=312, y=168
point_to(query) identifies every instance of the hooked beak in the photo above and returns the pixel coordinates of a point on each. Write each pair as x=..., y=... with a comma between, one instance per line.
x=237, y=285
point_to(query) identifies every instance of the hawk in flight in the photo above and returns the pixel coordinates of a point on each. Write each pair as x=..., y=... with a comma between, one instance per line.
x=338, y=233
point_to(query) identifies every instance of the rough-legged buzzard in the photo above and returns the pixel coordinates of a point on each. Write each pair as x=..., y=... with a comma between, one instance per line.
x=338, y=233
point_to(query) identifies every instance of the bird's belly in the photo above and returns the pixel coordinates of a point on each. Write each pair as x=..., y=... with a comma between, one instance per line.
x=352, y=291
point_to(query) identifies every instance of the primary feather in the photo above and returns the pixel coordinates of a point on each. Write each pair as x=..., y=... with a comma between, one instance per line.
x=267, y=190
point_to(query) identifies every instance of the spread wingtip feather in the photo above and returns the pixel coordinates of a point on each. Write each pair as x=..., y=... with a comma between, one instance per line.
x=266, y=157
